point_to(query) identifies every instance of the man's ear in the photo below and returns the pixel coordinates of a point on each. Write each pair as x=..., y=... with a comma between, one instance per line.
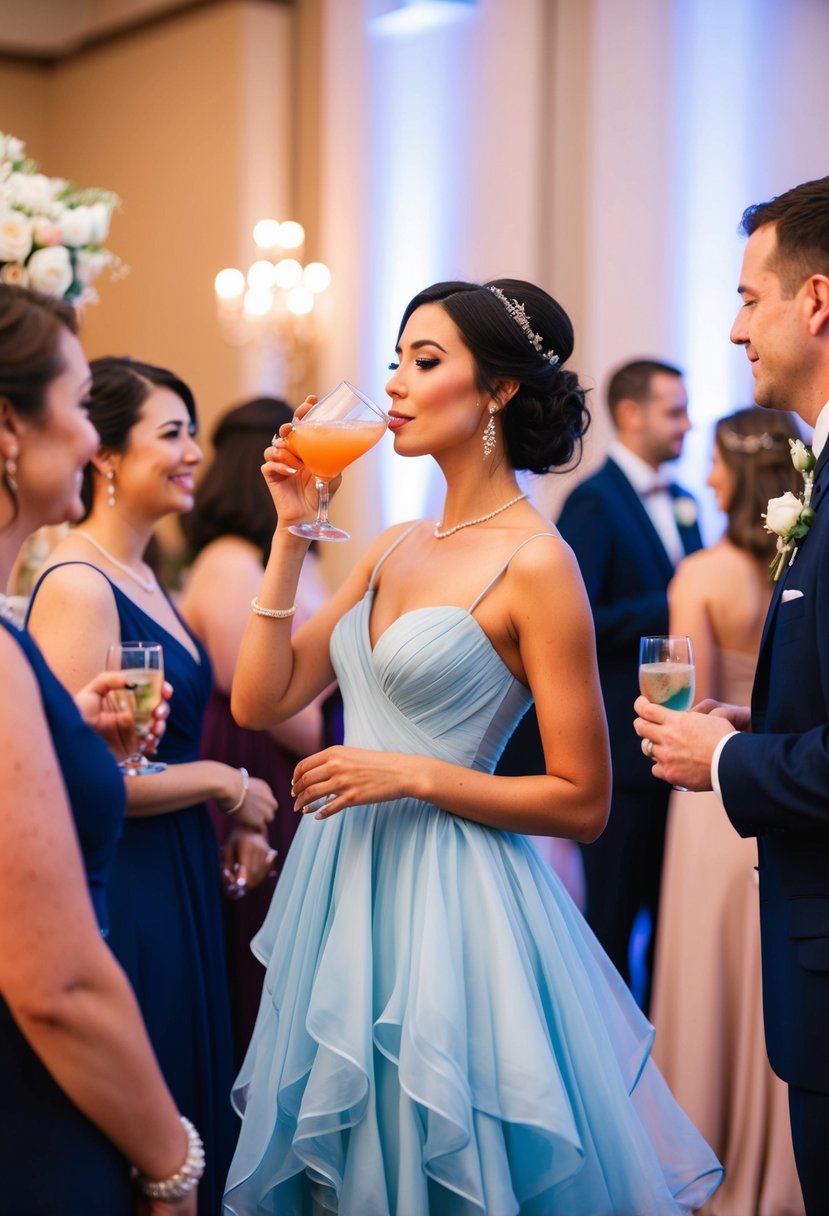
x=817, y=303
x=629, y=416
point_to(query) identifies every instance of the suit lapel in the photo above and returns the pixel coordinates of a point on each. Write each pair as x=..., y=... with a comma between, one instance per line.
x=759, y=696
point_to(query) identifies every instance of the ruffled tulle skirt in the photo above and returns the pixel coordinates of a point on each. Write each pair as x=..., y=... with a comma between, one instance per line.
x=441, y=1035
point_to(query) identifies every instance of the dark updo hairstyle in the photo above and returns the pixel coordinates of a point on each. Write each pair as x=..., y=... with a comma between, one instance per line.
x=120, y=386
x=30, y=325
x=545, y=422
x=232, y=498
x=754, y=444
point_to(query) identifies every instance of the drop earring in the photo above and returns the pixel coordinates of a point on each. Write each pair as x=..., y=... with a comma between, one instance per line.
x=110, y=488
x=489, y=433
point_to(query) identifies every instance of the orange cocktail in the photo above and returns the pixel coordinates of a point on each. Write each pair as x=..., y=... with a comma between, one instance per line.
x=327, y=447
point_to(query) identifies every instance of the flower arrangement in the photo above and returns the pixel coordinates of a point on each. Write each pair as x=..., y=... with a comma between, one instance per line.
x=788, y=517
x=51, y=232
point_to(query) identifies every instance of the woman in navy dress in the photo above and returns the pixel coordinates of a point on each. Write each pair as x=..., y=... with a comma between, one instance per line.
x=81, y=1096
x=165, y=906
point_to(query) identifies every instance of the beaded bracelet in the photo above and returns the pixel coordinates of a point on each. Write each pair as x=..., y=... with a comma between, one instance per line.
x=184, y=1180
x=245, y=783
x=278, y=614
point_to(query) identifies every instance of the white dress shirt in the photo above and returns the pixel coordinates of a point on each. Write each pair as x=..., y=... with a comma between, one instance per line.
x=819, y=437
x=652, y=487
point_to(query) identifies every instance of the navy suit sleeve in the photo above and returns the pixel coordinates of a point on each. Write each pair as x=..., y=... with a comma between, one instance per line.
x=776, y=782
x=604, y=550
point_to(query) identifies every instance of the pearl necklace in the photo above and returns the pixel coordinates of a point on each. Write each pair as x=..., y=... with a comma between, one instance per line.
x=470, y=523
x=146, y=584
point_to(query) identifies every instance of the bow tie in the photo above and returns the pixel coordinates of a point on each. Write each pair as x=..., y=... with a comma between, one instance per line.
x=658, y=487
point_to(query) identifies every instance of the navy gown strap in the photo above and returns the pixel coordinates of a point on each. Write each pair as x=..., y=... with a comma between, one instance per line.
x=503, y=567
x=398, y=540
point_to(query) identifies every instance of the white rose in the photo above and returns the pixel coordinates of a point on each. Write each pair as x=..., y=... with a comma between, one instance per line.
x=50, y=270
x=89, y=264
x=15, y=236
x=75, y=226
x=685, y=511
x=12, y=149
x=99, y=223
x=782, y=513
x=802, y=458
x=33, y=191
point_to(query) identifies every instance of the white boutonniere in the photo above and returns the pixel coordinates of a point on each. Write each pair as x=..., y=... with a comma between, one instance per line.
x=685, y=511
x=788, y=517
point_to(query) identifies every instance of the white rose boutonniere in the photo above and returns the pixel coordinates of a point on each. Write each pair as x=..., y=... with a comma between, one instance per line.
x=685, y=511
x=788, y=517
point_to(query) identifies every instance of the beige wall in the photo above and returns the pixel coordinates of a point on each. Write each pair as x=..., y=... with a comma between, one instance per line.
x=188, y=120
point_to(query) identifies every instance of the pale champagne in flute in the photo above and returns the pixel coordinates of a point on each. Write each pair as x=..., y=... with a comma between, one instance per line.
x=143, y=666
x=666, y=671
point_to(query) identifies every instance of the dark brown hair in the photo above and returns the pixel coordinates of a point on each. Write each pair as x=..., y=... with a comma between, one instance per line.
x=120, y=386
x=632, y=381
x=232, y=497
x=801, y=219
x=754, y=444
x=30, y=325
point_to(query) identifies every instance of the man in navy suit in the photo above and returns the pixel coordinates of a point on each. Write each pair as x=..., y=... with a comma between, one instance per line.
x=629, y=525
x=770, y=764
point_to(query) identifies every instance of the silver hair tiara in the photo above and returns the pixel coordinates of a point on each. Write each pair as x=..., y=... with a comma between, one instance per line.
x=749, y=445
x=518, y=314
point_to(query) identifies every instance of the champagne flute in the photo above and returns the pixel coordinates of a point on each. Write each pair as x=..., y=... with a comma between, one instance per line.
x=337, y=430
x=143, y=665
x=666, y=672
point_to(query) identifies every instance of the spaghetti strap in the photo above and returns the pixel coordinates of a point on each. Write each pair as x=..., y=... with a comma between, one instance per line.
x=391, y=549
x=498, y=574
x=57, y=566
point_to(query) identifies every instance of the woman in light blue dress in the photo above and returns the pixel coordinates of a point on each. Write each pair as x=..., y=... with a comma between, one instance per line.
x=440, y=1034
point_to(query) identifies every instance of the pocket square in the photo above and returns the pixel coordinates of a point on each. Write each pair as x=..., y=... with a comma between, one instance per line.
x=791, y=594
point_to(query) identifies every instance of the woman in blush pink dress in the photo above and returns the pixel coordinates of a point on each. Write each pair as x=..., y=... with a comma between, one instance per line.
x=707, y=1006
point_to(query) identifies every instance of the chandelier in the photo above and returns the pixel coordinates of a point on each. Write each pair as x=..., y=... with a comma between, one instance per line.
x=277, y=298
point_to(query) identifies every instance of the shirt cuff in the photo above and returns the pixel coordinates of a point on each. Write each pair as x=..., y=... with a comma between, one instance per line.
x=715, y=763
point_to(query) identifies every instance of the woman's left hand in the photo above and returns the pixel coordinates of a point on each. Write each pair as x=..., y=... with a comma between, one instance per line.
x=331, y=780
x=117, y=727
x=247, y=858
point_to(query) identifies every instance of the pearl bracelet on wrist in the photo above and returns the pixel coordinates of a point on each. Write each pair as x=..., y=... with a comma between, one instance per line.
x=184, y=1180
x=278, y=614
x=237, y=806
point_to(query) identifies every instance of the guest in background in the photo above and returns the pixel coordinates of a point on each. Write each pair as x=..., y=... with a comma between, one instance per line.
x=629, y=525
x=707, y=1002
x=81, y=1095
x=166, y=926
x=229, y=532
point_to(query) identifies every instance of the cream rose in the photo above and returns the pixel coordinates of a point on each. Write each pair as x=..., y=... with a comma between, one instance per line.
x=75, y=226
x=802, y=457
x=98, y=223
x=50, y=270
x=15, y=236
x=782, y=513
x=34, y=191
x=14, y=274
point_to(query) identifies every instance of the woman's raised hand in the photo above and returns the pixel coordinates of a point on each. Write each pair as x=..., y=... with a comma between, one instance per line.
x=292, y=486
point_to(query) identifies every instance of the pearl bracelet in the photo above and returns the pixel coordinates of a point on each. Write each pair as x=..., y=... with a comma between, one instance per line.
x=245, y=775
x=278, y=614
x=184, y=1180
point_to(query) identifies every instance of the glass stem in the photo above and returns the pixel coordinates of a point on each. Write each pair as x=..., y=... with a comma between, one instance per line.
x=322, y=506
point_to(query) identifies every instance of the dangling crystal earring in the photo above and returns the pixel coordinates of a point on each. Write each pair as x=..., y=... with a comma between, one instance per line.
x=489, y=433
x=110, y=488
x=11, y=473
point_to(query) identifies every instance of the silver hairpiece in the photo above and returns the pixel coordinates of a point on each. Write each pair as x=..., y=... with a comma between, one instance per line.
x=517, y=312
x=749, y=445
